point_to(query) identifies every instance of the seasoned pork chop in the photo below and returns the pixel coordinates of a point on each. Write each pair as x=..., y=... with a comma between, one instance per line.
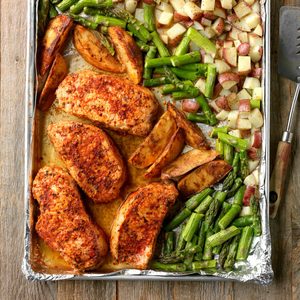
x=113, y=101
x=138, y=222
x=91, y=158
x=63, y=222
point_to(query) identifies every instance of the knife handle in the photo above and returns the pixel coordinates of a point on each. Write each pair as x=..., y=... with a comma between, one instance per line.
x=278, y=176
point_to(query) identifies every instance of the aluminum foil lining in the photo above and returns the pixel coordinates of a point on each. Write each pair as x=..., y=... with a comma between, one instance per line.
x=257, y=268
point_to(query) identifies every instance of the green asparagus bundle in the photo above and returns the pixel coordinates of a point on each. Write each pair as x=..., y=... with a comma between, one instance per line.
x=230, y=260
x=244, y=243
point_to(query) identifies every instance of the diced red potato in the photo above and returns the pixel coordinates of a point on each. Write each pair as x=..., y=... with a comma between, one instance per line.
x=220, y=12
x=256, y=7
x=252, y=164
x=250, y=191
x=243, y=124
x=241, y=25
x=256, y=118
x=232, y=101
x=178, y=6
x=253, y=20
x=222, y=66
x=228, y=79
x=193, y=10
x=209, y=32
x=188, y=24
x=245, y=133
x=165, y=18
x=251, y=83
x=234, y=33
x=209, y=15
x=205, y=22
x=244, y=105
x=130, y=5
x=258, y=30
x=243, y=37
x=255, y=40
x=243, y=49
x=235, y=132
x=227, y=27
x=243, y=94
x=256, y=139
x=256, y=72
x=244, y=65
x=253, y=153
x=242, y=9
x=233, y=118
x=256, y=53
x=222, y=115
x=218, y=88
x=190, y=105
x=226, y=4
x=208, y=5
x=222, y=103
x=230, y=56
x=175, y=32
x=197, y=26
x=232, y=18
x=257, y=93
x=228, y=44
x=200, y=84
x=218, y=26
x=178, y=17
x=236, y=43
x=250, y=2
x=165, y=7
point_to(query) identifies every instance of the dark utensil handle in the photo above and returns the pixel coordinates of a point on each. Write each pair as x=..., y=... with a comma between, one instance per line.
x=278, y=176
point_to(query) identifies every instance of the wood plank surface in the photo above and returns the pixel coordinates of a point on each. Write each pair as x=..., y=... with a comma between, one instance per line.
x=285, y=229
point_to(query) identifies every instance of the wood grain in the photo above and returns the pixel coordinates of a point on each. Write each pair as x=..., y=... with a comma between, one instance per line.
x=285, y=229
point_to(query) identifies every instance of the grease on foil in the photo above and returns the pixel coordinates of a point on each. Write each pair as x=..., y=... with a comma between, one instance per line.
x=257, y=268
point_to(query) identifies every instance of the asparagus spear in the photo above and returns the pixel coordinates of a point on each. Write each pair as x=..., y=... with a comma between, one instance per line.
x=178, y=219
x=150, y=54
x=168, y=267
x=109, y=21
x=207, y=251
x=183, y=46
x=194, y=201
x=222, y=236
x=206, y=110
x=204, y=205
x=225, y=208
x=189, y=58
x=189, y=258
x=210, y=81
x=201, y=41
x=228, y=153
x=229, y=180
x=65, y=5
x=149, y=16
x=169, y=242
x=201, y=242
x=220, y=147
x=158, y=62
x=78, y=7
x=185, y=95
x=256, y=216
x=230, y=260
x=236, y=185
x=229, y=216
x=239, y=196
x=244, y=164
x=52, y=12
x=85, y=22
x=43, y=11
x=236, y=142
x=170, y=88
x=244, y=243
x=216, y=130
x=135, y=30
x=213, y=209
x=143, y=46
x=243, y=221
x=185, y=74
x=208, y=264
x=156, y=81
x=180, y=243
x=197, y=118
x=201, y=69
x=191, y=226
x=162, y=49
x=224, y=253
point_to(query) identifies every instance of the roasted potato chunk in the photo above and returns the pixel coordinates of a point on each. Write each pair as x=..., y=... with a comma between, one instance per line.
x=203, y=177
x=58, y=72
x=171, y=151
x=91, y=49
x=128, y=52
x=193, y=134
x=187, y=162
x=56, y=34
x=150, y=149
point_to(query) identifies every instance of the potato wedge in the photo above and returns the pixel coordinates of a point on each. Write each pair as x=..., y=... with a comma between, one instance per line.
x=171, y=151
x=128, y=52
x=193, y=134
x=187, y=162
x=56, y=34
x=91, y=49
x=203, y=177
x=56, y=75
x=150, y=149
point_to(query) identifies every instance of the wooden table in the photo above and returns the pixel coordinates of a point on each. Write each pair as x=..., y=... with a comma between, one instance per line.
x=285, y=229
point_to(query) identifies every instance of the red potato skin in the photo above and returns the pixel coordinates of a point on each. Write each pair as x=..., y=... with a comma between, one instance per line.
x=179, y=18
x=243, y=49
x=223, y=103
x=232, y=18
x=253, y=153
x=190, y=105
x=256, y=72
x=257, y=139
x=244, y=105
x=219, y=28
x=217, y=90
x=228, y=76
x=250, y=190
x=209, y=15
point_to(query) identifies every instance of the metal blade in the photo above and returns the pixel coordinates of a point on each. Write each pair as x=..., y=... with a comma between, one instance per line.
x=289, y=43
